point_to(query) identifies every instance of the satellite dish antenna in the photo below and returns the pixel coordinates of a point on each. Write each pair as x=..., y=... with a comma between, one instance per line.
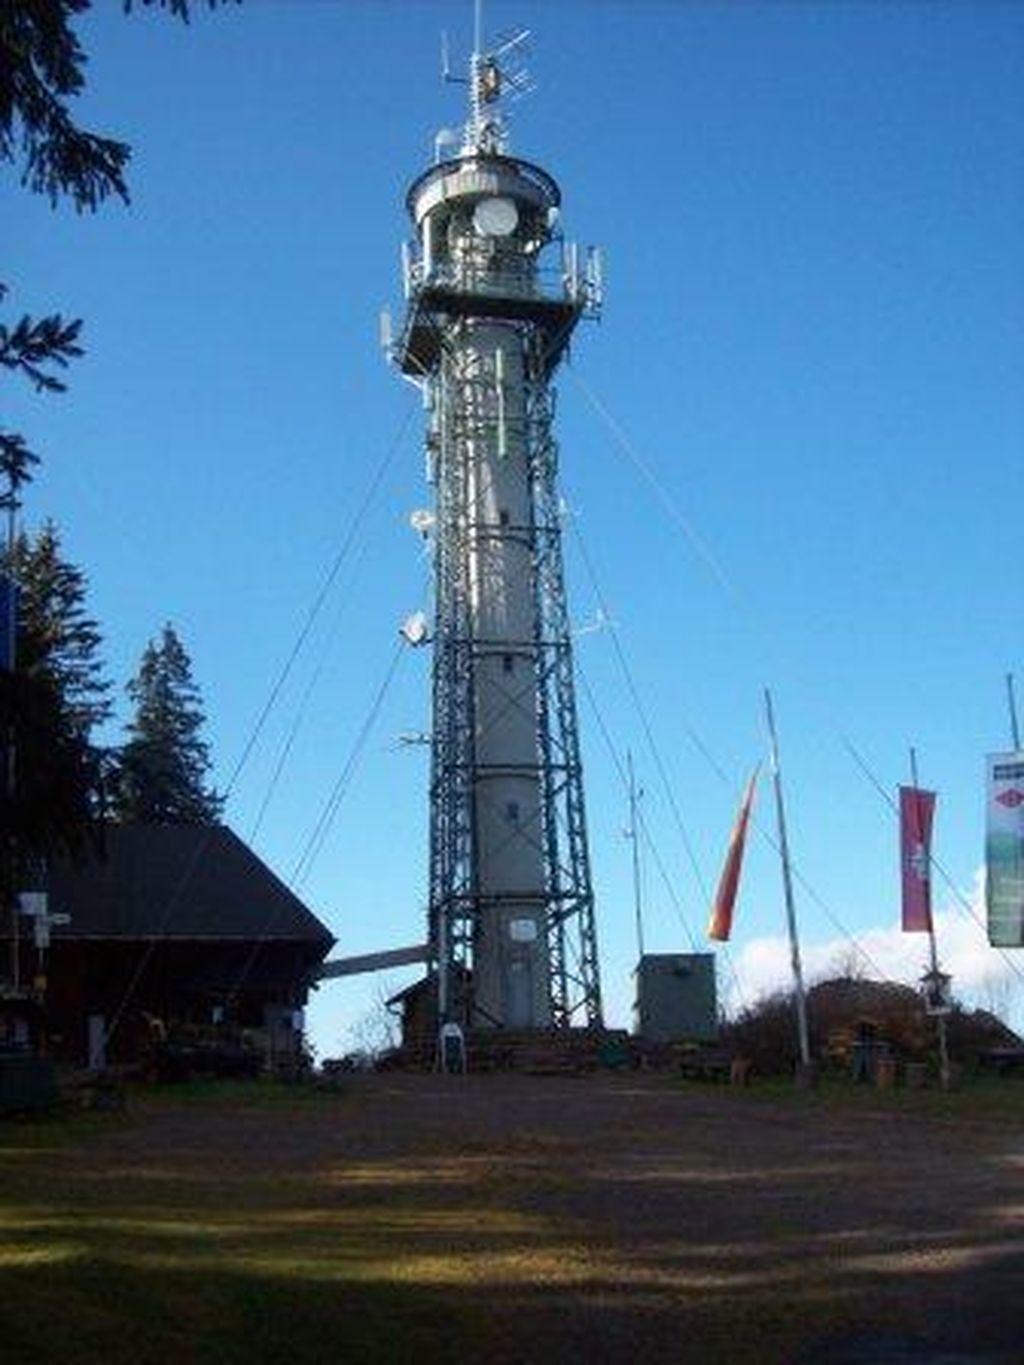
x=497, y=217
x=422, y=521
x=414, y=629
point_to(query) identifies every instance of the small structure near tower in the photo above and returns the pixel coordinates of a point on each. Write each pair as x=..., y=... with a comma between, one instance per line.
x=676, y=998
x=492, y=297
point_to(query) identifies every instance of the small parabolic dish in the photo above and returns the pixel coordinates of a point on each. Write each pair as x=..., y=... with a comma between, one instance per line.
x=495, y=217
x=414, y=629
x=422, y=520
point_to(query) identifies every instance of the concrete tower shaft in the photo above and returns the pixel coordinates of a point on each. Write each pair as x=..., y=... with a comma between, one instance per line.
x=511, y=908
x=510, y=941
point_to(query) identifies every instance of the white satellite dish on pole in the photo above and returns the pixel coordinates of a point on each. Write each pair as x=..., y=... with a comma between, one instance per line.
x=422, y=521
x=414, y=629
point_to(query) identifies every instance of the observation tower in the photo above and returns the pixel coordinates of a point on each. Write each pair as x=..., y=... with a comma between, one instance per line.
x=492, y=296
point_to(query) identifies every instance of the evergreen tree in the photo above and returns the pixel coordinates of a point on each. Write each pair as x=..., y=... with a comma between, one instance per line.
x=162, y=768
x=49, y=703
x=55, y=805
x=56, y=638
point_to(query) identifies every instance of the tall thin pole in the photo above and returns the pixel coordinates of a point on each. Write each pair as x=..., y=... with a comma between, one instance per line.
x=10, y=776
x=442, y=967
x=476, y=63
x=442, y=988
x=1011, y=697
x=634, y=836
x=933, y=956
x=787, y=884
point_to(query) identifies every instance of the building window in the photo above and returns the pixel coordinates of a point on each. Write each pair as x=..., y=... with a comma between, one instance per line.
x=503, y=517
x=512, y=812
x=508, y=663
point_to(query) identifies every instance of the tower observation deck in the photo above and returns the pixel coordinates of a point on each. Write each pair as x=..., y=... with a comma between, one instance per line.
x=487, y=319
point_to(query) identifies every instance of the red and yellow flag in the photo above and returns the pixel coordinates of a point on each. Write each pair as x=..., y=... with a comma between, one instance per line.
x=720, y=924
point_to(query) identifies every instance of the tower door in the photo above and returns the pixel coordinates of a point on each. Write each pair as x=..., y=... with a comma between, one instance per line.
x=519, y=992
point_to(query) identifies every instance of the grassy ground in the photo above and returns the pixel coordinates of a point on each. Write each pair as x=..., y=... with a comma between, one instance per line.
x=520, y=1219
x=979, y=1098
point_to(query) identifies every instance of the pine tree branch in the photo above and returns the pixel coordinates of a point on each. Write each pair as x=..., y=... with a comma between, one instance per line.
x=71, y=161
x=179, y=9
x=16, y=462
x=41, y=65
x=32, y=345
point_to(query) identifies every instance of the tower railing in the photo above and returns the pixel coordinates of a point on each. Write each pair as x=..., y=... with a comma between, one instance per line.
x=577, y=280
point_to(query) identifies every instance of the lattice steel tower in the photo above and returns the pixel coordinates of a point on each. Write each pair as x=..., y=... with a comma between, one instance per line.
x=511, y=916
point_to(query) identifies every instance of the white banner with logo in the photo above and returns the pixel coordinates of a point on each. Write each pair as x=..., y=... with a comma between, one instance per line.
x=1004, y=850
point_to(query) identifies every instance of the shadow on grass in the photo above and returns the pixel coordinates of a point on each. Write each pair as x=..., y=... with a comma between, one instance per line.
x=617, y=1223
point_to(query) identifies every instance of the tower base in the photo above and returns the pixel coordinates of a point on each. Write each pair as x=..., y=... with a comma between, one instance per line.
x=531, y=1051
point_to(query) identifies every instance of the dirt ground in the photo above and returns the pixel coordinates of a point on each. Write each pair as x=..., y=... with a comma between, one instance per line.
x=511, y=1218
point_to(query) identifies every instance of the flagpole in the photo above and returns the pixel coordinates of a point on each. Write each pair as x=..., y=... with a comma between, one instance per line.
x=635, y=837
x=787, y=884
x=933, y=952
x=1011, y=697
x=8, y=884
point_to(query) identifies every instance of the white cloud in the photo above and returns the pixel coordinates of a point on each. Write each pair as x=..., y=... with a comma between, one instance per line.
x=982, y=976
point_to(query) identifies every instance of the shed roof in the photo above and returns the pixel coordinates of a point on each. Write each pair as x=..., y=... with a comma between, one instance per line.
x=179, y=882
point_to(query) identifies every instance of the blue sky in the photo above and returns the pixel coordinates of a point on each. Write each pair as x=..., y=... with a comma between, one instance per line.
x=791, y=449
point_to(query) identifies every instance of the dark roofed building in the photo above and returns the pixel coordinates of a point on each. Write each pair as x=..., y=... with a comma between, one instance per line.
x=179, y=927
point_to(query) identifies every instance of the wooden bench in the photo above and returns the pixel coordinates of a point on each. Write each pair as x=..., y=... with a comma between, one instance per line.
x=706, y=1066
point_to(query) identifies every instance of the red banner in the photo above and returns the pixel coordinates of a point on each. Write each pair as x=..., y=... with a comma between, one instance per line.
x=917, y=808
x=720, y=924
